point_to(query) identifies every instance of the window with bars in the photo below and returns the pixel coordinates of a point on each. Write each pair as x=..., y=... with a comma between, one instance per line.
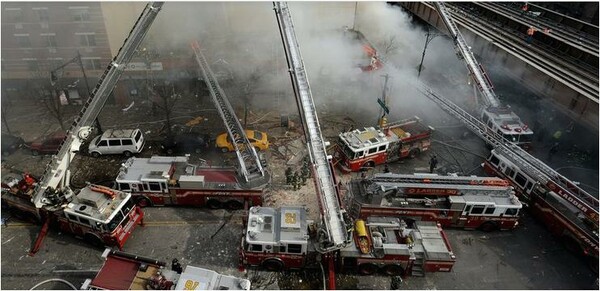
x=23, y=41
x=50, y=40
x=87, y=40
x=15, y=14
x=81, y=14
x=43, y=14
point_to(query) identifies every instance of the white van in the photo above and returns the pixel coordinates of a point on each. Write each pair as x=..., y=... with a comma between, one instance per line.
x=117, y=141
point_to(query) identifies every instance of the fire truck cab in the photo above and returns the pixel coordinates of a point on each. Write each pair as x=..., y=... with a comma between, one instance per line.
x=363, y=149
x=505, y=122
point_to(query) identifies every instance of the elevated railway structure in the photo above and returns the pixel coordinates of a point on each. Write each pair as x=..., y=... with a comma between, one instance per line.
x=567, y=77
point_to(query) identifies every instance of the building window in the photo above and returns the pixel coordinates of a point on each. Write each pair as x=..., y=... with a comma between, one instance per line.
x=50, y=40
x=16, y=14
x=23, y=41
x=87, y=40
x=32, y=65
x=92, y=64
x=80, y=14
x=42, y=13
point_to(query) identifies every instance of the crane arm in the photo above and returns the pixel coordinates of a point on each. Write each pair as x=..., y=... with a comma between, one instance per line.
x=56, y=175
x=331, y=211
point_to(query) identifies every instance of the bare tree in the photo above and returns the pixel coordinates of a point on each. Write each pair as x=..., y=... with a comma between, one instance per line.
x=165, y=97
x=5, y=109
x=389, y=46
x=48, y=95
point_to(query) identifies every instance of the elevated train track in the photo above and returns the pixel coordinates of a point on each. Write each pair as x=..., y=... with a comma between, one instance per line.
x=575, y=77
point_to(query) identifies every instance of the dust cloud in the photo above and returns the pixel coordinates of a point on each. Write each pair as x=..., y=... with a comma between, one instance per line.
x=242, y=38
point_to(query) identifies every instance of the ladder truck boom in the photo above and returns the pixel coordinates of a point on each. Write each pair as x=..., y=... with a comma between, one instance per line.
x=250, y=166
x=483, y=83
x=331, y=211
x=575, y=195
x=57, y=174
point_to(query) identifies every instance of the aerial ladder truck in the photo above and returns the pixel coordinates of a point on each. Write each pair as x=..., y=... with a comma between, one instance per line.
x=100, y=215
x=283, y=238
x=569, y=211
x=250, y=167
x=498, y=117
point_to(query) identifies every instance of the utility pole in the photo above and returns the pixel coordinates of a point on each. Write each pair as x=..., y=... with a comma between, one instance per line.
x=429, y=37
x=384, y=109
x=354, y=20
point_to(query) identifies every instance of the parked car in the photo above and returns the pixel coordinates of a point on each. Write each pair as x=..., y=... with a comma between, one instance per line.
x=117, y=141
x=10, y=144
x=258, y=139
x=49, y=144
x=186, y=143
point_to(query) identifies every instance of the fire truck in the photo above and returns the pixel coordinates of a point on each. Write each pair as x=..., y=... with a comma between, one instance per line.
x=98, y=214
x=283, y=238
x=362, y=149
x=124, y=271
x=499, y=118
x=159, y=181
x=566, y=209
x=485, y=203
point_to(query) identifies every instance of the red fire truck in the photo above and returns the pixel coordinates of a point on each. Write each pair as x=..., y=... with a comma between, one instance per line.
x=159, y=181
x=467, y=202
x=99, y=215
x=280, y=239
x=124, y=271
x=568, y=211
x=363, y=149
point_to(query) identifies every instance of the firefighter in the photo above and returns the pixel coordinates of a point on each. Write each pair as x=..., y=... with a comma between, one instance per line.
x=524, y=8
x=433, y=163
x=296, y=181
x=288, y=176
x=176, y=266
x=304, y=172
x=530, y=32
x=386, y=168
x=553, y=150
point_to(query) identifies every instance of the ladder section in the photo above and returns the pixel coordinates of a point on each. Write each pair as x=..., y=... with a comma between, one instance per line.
x=532, y=166
x=438, y=180
x=400, y=122
x=331, y=211
x=55, y=175
x=483, y=83
x=250, y=166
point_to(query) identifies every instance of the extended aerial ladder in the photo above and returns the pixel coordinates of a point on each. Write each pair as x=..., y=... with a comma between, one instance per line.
x=535, y=168
x=332, y=214
x=460, y=45
x=250, y=166
x=52, y=192
x=57, y=174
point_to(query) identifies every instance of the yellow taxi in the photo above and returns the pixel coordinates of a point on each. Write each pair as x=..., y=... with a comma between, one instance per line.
x=257, y=138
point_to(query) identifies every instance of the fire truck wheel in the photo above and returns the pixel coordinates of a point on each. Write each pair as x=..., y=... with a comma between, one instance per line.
x=592, y=262
x=143, y=202
x=213, y=204
x=235, y=205
x=488, y=226
x=393, y=270
x=368, y=165
x=413, y=153
x=94, y=240
x=367, y=269
x=273, y=265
